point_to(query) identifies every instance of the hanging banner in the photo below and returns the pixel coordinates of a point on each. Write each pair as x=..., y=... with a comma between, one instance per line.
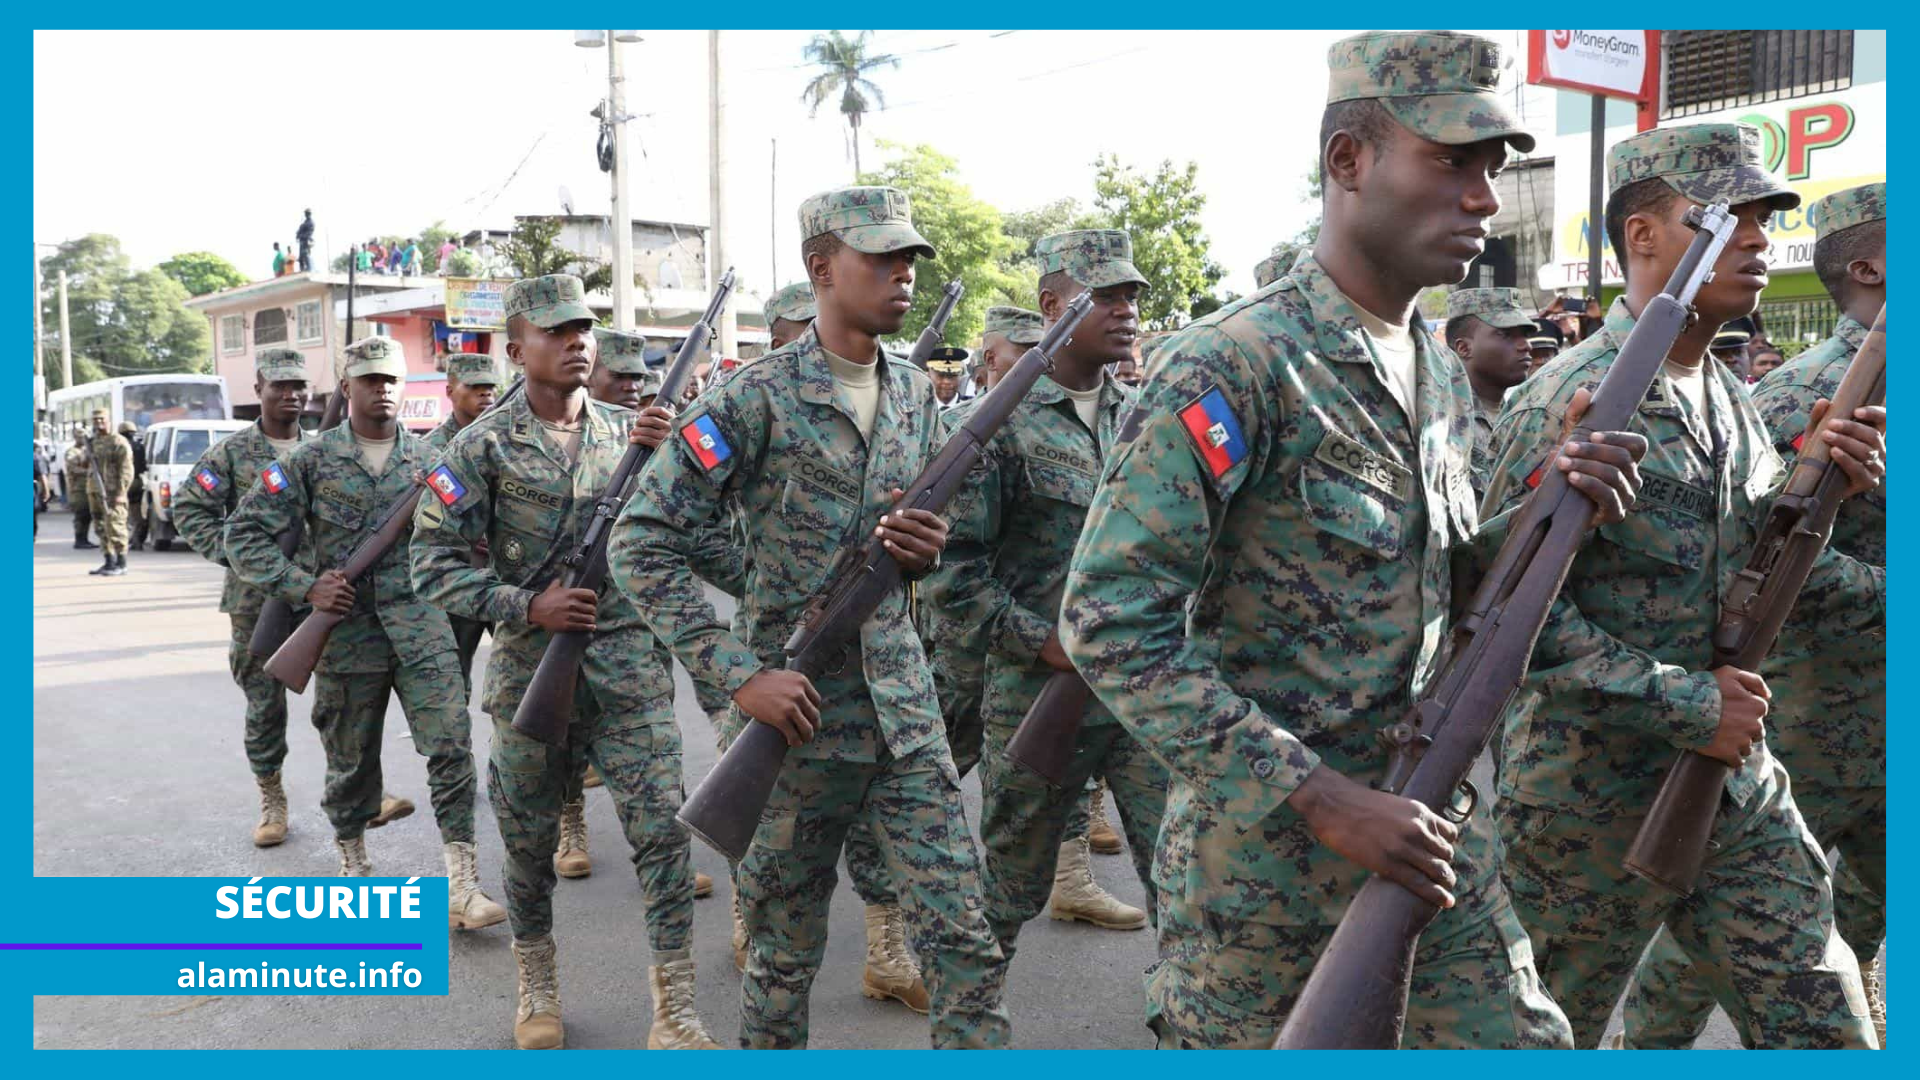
x=476, y=304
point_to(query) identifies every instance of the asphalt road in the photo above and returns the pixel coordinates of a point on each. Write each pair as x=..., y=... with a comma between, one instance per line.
x=139, y=770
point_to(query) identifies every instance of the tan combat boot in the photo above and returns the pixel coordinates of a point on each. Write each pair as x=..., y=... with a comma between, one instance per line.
x=676, y=1026
x=740, y=937
x=572, y=860
x=1077, y=896
x=1877, y=998
x=273, y=812
x=1101, y=835
x=592, y=779
x=392, y=808
x=467, y=907
x=353, y=857
x=536, y=1024
x=891, y=973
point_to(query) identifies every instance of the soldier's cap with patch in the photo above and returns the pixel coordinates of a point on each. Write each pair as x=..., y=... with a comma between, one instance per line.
x=621, y=352
x=374, y=356
x=473, y=369
x=548, y=301
x=281, y=365
x=793, y=303
x=1845, y=209
x=874, y=220
x=948, y=360
x=1441, y=85
x=1268, y=270
x=1096, y=258
x=1022, y=327
x=1733, y=333
x=1495, y=307
x=1707, y=163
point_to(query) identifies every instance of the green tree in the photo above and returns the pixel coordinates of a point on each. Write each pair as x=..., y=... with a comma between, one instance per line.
x=123, y=321
x=534, y=250
x=1310, y=232
x=431, y=238
x=966, y=231
x=1160, y=211
x=202, y=272
x=845, y=65
x=1026, y=227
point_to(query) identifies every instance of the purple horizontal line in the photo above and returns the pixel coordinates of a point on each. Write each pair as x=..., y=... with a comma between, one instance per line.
x=228, y=946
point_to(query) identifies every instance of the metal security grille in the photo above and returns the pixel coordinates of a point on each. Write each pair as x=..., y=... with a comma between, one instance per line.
x=1711, y=70
x=1796, y=324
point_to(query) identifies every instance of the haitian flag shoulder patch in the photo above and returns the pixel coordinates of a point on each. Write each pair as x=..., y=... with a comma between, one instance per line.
x=703, y=436
x=205, y=477
x=1215, y=431
x=446, y=485
x=274, y=477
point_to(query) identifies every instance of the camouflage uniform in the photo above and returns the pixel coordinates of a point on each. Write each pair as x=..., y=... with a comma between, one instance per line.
x=393, y=642
x=1619, y=684
x=1263, y=584
x=1498, y=308
x=1005, y=567
x=223, y=476
x=112, y=464
x=466, y=369
x=780, y=444
x=77, y=463
x=1284, y=255
x=1828, y=718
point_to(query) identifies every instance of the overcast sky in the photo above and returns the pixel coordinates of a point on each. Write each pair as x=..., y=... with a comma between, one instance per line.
x=205, y=140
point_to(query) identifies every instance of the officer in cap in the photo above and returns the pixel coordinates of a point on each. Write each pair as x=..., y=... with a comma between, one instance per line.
x=1544, y=344
x=946, y=365
x=788, y=312
x=1729, y=345
x=1487, y=329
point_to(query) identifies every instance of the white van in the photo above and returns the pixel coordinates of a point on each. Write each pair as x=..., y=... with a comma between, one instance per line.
x=172, y=448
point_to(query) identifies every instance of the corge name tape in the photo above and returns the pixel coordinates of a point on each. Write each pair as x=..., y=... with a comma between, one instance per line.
x=256, y=901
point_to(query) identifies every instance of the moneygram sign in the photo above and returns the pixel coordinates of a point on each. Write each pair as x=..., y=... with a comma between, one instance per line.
x=1613, y=63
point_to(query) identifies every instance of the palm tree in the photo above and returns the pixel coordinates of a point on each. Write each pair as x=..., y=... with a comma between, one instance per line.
x=846, y=63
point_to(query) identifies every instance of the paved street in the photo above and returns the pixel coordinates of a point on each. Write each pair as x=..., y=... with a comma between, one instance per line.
x=138, y=770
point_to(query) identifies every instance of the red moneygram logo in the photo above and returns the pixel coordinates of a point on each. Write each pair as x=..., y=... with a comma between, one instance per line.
x=1562, y=38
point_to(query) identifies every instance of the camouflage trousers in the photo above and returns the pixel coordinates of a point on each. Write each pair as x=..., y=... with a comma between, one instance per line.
x=960, y=701
x=637, y=753
x=350, y=710
x=466, y=639
x=910, y=807
x=110, y=521
x=266, y=738
x=1024, y=819
x=1759, y=924
x=1668, y=1003
x=1221, y=983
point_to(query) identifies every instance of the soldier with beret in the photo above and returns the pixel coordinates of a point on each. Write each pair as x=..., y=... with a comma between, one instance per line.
x=1487, y=329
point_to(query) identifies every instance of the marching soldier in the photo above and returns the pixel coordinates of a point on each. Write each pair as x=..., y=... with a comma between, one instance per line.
x=620, y=375
x=1264, y=579
x=1487, y=329
x=524, y=479
x=1616, y=688
x=391, y=641
x=788, y=312
x=220, y=479
x=109, y=475
x=473, y=379
x=1004, y=570
x=1010, y=332
x=811, y=445
x=1829, y=693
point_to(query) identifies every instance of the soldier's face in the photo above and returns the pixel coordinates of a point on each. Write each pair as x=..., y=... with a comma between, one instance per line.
x=376, y=397
x=1765, y=362
x=871, y=292
x=557, y=355
x=1498, y=356
x=1540, y=357
x=1739, y=276
x=99, y=425
x=615, y=388
x=470, y=401
x=783, y=331
x=1425, y=207
x=283, y=399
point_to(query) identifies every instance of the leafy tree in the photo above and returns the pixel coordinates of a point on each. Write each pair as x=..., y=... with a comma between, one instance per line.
x=465, y=263
x=534, y=250
x=1160, y=211
x=202, y=272
x=1310, y=232
x=431, y=238
x=123, y=321
x=966, y=231
x=845, y=65
x=1026, y=227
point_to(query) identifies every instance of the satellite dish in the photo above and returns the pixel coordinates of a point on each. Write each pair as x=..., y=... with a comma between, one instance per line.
x=566, y=201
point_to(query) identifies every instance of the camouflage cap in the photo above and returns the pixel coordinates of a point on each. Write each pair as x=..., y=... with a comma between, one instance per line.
x=281, y=365
x=1496, y=307
x=1095, y=258
x=1845, y=209
x=1705, y=162
x=621, y=352
x=793, y=303
x=1440, y=85
x=548, y=301
x=473, y=369
x=948, y=360
x=1022, y=327
x=1268, y=270
x=876, y=220
x=375, y=356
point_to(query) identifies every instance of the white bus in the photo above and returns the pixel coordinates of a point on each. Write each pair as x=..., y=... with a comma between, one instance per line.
x=144, y=399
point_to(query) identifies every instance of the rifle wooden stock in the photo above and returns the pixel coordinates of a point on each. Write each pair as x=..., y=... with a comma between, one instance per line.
x=1356, y=997
x=1043, y=743
x=725, y=809
x=936, y=330
x=1671, y=845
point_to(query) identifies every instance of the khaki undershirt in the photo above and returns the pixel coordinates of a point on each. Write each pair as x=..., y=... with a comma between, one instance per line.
x=861, y=384
x=567, y=437
x=375, y=452
x=1087, y=404
x=1691, y=384
x=1396, y=349
x=281, y=446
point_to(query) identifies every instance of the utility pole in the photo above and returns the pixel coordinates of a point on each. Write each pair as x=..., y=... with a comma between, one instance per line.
x=66, y=337
x=728, y=332
x=39, y=332
x=773, y=219
x=622, y=222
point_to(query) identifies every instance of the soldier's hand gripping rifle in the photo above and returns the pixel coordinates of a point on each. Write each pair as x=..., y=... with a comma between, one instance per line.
x=1672, y=841
x=725, y=809
x=936, y=330
x=293, y=662
x=1356, y=997
x=547, y=707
